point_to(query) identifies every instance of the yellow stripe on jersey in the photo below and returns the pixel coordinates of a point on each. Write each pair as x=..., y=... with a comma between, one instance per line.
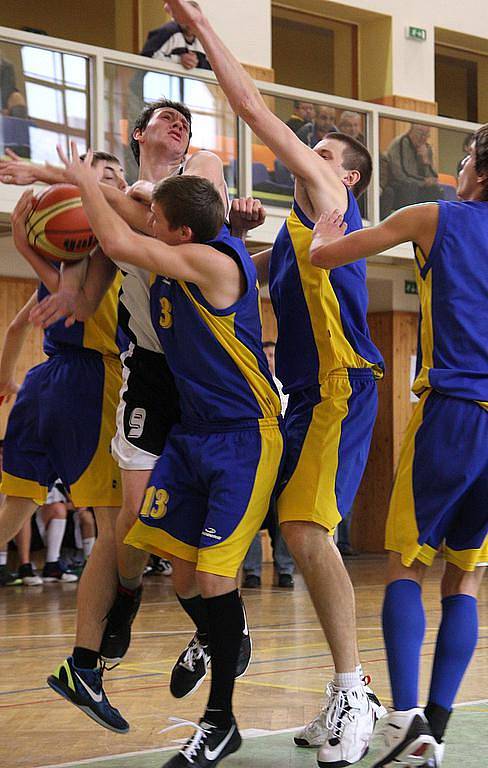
x=100, y=330
x=222, y=328
x=426, y=328
x=334, y=350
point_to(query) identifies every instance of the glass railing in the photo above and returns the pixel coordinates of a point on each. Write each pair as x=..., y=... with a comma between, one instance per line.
x=54, y=91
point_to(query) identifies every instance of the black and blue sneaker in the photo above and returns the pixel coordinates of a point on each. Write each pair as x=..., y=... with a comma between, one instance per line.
x=84, y=689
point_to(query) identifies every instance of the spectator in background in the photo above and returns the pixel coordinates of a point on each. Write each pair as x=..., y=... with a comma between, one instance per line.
x=322, y=124
x=15, y=128
x=351, y=123
x=282, y=559
x=51, y=522
x=303, y=113
x=175, y=43
x=412, y=174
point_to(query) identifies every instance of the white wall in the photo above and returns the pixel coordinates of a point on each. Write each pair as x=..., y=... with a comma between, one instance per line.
x=245, y=27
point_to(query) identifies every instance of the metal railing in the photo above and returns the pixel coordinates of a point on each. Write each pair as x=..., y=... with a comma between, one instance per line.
x=239, y=147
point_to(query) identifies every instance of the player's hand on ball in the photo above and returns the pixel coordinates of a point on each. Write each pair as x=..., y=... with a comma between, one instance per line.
x=246, y=213
x=141, y=191
x=53, y=308
x=77, y=172
x=19, y=218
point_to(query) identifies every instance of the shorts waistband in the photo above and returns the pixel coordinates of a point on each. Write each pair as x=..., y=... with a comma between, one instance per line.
x=76, y=352
x=202, y=427
x=352, y=373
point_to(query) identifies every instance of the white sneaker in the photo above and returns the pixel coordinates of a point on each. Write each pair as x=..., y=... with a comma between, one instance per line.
x=408, y=740
x=315, y=733
x=350, y=721
x=436, y=760
x=29, y=576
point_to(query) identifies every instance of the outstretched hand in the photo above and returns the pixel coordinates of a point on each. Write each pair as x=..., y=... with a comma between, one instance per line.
x=16, y=170
x=184, y=13
x=53, y=308
x=330, y=227
x=77, y=172
x=19, y=218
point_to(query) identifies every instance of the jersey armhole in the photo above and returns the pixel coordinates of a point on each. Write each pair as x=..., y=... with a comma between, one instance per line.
x=436, y=245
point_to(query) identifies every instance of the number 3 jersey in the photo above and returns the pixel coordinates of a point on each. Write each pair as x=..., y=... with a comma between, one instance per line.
x=216, y=355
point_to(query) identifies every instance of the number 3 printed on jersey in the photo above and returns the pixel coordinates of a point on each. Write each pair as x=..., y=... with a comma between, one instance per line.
x=166, y=319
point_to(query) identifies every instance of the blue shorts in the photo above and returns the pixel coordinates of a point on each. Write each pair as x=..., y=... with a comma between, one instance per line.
x=209, y=494
x=328, y=435
x=61, y=426
x=440, y=495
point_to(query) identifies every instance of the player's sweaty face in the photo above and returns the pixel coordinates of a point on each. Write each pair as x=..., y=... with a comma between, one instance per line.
x=171, y=126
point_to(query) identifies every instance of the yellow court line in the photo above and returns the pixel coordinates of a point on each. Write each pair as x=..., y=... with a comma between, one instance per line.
x=242, y=681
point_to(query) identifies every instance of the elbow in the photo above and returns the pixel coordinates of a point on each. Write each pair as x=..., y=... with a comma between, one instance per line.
x=247, y=107
x=111, y=245
x=321, y=258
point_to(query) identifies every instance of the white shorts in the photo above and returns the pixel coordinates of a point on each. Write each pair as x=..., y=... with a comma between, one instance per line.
x=148, y=408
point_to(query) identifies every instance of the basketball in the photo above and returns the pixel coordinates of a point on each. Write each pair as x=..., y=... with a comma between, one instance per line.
x=57, y=227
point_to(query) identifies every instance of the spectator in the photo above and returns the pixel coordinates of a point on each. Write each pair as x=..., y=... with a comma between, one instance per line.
x=175, y=43
x=412, y=174
x=321, y=125
x=303, y=113
x=13, y=109
x=351, y=123
x=281, y=557
x=51, y=522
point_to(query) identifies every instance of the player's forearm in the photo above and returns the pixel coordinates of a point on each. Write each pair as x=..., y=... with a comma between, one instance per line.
x=134, y=213
x=100, y=275
x=14, y=340
x=242, y=94
x=48, y=274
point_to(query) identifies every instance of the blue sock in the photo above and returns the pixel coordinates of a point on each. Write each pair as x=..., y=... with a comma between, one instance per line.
x=456, y=641
x=403, y=629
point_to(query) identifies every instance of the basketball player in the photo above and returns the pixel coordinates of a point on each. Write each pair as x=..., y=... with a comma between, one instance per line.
x=328, y=364
x=210, y=489
x=440, y=493
x=61, y=426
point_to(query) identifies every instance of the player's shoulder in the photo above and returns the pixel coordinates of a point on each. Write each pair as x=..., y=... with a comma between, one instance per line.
x=203, y=156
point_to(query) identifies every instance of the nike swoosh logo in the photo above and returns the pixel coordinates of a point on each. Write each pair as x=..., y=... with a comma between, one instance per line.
x=213, y=754
x=97, y=697
x=245, y=631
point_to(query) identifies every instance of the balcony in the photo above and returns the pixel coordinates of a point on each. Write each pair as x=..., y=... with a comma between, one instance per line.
x=92, y=96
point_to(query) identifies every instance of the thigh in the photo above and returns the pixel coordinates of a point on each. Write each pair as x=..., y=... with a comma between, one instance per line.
x=242, y=469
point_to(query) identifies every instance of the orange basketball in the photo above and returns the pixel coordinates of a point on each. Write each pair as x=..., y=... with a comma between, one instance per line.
x=57, y=227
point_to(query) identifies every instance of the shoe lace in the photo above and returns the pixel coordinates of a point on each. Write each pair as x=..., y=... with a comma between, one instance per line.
x=193, y=744
x=339, y=711
x=194, y=652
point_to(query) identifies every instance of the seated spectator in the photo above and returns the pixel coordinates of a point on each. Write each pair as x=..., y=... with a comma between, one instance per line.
x=178, y=44
x=12, y=105
x=351, y=123
x=412, y=174
x=321, y=125
x=303, y=113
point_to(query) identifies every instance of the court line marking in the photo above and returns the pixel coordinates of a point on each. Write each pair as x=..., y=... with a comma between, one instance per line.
x=250, y=733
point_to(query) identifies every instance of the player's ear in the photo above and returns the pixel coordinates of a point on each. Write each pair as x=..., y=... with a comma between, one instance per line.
x=186, y=233
x=137, y=135
x=351, y=178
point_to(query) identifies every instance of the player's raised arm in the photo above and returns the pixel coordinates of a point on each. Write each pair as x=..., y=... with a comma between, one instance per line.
x=330, y=248
x=13, y=342
x=247, y=102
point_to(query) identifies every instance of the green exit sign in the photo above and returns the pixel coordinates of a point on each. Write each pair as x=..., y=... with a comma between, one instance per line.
x=411, y=287
x=417, y=33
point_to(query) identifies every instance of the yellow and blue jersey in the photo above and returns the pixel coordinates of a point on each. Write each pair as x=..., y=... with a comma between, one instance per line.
x=453, y=290
x=100, y=333
x=216, y=355
x=321, y=314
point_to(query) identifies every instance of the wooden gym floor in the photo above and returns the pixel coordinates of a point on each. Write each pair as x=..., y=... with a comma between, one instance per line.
x=282, y=689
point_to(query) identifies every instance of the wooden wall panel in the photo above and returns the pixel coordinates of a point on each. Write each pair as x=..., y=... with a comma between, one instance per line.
x=14, y=292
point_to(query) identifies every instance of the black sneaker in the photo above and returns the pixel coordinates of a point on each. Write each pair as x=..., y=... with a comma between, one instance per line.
x=57, y=571
x=8, y=579
x=251, y=581
x=285, y=581
x=28, y=576
x=190, y=670
x=84, y=689
x=207, y=747
x=116, y=638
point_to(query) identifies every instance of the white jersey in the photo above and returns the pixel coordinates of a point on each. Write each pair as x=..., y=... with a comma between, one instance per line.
x=134, y=304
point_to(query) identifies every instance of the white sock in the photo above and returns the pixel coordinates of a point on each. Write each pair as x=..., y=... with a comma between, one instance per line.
x=88, y=546
x=3, y=557
x=347, y=680
x=360, y=671
x=54, y=539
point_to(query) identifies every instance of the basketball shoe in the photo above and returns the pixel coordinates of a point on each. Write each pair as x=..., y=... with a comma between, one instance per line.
x=436, y=760
x=314, y=734
x=28, y=575
x=350, y=721
x=207, y=747
x=84, y=689
x=192, y=665
x=8, y=579
x=58, y=572
x=116, y=638
x=408, y=741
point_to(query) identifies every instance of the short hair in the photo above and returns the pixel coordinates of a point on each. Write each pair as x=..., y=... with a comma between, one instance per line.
x=348, y=113
x=147, y=113
x=355, y=157
x=106, y=156
x=191, y=201
x=480, y=139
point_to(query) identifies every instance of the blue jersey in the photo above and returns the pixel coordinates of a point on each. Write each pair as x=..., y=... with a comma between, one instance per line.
x=453, y=289
x=101, y=332
x=216, y=355
x=321, y=314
